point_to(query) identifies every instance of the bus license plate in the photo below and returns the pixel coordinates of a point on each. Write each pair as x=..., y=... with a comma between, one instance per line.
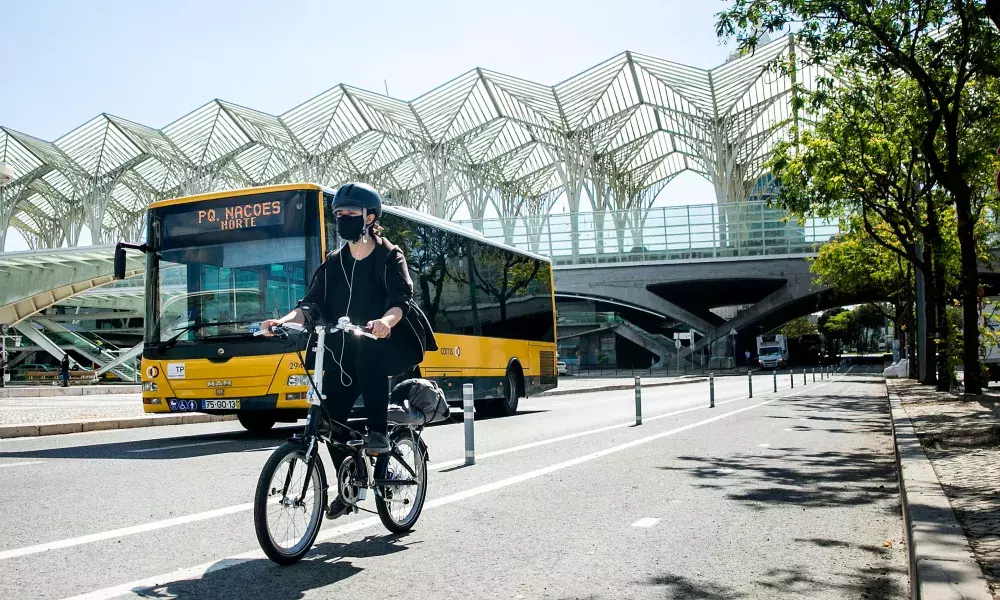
x=220, y=404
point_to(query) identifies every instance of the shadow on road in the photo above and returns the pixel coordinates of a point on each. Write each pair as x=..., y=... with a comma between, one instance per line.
x=327, y=564
x=781, y=476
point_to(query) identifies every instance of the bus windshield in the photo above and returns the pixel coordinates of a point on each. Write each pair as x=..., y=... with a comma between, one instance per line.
x=222, y=266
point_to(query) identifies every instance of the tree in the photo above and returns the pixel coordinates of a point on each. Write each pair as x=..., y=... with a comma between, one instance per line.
x=858, y=267
x=834, y=333
x=950, y=52
x=797, y=328
x=862, y=161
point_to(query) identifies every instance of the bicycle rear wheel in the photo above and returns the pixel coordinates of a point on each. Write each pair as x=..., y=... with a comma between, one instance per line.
x=287, y=523
x=399, y=506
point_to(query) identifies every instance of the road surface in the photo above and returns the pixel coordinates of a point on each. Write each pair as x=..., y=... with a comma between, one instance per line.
x=786, y=495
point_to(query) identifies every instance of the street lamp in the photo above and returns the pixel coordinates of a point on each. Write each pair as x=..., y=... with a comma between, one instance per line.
x=732, y=334
x=6, y=176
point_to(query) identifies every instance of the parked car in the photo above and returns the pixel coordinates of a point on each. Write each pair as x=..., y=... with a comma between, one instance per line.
x=561, y=368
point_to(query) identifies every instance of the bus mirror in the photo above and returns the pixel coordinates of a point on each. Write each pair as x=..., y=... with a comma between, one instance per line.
x=119, y=262
x=120, y=256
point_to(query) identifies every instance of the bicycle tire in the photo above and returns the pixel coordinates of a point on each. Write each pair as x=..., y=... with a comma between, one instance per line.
x=263, y=495
x=382, y=504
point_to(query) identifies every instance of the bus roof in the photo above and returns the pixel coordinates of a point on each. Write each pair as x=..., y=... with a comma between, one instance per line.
x=284, y=187
x=426, y=219
x=402, y=211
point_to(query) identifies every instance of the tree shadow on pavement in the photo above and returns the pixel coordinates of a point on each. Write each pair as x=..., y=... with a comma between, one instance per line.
x=327, y=564
x=781, y=476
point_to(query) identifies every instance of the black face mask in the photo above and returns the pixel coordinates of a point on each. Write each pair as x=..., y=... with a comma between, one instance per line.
x=351, y=228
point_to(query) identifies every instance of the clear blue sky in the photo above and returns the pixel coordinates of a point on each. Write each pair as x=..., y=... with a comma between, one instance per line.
x=152, y=62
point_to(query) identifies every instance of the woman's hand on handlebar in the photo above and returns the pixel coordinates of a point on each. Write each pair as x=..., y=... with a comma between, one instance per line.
x=379, y=328
x=266, y=325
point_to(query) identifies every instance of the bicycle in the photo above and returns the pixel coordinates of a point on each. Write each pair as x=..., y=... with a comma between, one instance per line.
x=292, y=488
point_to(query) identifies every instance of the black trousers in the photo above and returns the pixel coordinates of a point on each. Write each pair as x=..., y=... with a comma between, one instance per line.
x=361, y=373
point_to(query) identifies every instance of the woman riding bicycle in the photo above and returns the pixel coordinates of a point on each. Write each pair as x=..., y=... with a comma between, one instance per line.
x=367, y=281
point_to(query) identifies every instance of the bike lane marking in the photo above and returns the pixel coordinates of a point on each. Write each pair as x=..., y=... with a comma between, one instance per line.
x=220, y=512
x=224, y=563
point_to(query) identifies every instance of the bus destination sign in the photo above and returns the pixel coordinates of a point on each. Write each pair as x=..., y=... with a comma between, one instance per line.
x=205, y=219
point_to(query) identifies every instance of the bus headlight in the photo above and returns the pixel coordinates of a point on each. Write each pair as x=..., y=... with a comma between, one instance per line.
x=149, y=386
x=298, y=380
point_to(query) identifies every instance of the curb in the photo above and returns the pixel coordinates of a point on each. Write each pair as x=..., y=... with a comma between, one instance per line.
x=617, y=386
x=83, y=425
x=942, y=566
x=80, y=390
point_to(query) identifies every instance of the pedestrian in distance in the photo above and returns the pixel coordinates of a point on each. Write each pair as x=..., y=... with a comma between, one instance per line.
x=64, y=370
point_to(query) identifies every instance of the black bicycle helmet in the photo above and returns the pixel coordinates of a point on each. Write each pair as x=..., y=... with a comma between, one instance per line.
x=358, y=195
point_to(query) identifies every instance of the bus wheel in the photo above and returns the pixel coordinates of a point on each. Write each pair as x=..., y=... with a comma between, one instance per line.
x=507, y=406
x=256, y=422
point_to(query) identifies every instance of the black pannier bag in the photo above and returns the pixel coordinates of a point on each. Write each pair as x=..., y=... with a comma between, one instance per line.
x=423, y=395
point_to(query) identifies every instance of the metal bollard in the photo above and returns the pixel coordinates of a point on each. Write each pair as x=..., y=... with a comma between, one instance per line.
x=814, y=375
x=750, y=381
x=791, y=377
x=469, y=401
x=775, y=374
x=804, y=382
x=711, y=390
x=638, y=402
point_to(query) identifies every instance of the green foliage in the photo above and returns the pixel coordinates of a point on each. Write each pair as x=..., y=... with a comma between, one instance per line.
x=913, y=116
x=797, y=328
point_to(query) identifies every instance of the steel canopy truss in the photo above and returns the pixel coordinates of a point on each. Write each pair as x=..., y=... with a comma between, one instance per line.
x=616, y=134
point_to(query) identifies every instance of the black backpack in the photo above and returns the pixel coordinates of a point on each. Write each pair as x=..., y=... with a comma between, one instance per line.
x=414, y=336
x=422, y=395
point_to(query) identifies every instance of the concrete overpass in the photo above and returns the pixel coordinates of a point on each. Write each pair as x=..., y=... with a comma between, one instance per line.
x=674, y=262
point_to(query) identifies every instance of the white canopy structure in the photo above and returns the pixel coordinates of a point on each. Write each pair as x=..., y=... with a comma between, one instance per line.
x=615, y=134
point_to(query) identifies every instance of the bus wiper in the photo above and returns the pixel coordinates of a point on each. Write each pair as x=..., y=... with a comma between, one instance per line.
x=165, y=344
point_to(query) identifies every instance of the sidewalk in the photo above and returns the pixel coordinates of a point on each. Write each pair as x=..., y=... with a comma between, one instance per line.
x=45, y=391
x=28, y=417
x=962, y=441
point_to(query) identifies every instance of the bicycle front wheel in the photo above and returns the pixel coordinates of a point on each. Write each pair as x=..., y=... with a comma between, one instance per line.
x=399, y=504
x=287, y=520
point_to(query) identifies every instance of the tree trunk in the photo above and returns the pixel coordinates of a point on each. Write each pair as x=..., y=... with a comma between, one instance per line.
x=969, y=291
x=930, y=316
x=945, y=374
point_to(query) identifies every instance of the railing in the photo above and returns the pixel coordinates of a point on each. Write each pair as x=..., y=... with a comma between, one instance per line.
x=587, y=318
x=704, y=231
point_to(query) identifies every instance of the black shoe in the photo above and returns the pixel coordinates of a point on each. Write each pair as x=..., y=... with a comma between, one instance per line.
x=376, y=442
x=337, y=509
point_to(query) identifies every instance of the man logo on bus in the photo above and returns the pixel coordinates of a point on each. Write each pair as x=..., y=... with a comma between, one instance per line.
x=458, y=351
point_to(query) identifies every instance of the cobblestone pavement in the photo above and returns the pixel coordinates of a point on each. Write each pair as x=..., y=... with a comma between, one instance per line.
x=962, y=440
x=18, y=411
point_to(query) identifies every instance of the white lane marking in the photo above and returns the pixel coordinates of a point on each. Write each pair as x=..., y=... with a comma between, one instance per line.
x=23, y=464
x=135, y=529
x=788, y=429
x=764, y=445
x=124, y=531
x=225, y=563
x=178, y=446
x=646, y=522
x=212, y=566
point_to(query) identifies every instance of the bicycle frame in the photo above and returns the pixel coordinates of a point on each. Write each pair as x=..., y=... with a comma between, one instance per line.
x=315, y=397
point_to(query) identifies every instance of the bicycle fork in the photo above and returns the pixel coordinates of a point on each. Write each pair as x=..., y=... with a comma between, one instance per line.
x=315, y=398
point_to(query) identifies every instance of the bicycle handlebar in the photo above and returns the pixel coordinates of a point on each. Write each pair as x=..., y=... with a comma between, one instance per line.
x=343, y=324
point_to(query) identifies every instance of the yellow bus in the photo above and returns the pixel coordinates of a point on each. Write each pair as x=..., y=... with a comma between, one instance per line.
x=218, y=264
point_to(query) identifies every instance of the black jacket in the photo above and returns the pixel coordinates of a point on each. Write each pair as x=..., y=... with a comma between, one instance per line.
x=410, y=338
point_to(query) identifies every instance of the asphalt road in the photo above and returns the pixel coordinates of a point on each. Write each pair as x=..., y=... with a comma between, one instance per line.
x=786, y=495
